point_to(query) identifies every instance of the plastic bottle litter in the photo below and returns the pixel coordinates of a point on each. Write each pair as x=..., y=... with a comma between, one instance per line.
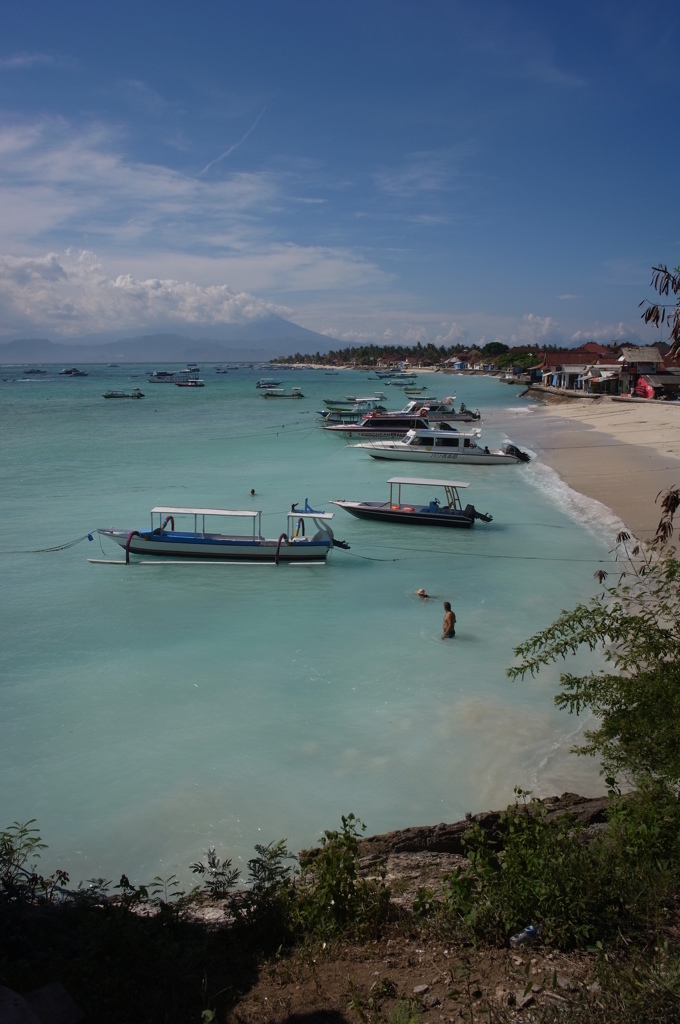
x=528, y=934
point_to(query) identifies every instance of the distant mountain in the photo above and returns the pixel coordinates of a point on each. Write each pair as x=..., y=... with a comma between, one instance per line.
x=252, y=342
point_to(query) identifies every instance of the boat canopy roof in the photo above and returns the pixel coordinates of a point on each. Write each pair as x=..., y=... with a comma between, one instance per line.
x=178, y=511
x=175, y=511
x=422, y=482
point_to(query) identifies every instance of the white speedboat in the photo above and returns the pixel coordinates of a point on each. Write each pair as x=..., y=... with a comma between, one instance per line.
x=439, y=445
x=413, y=513
x=210, y=534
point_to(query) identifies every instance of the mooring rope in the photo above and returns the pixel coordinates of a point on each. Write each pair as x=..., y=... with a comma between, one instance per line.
x=57, y=547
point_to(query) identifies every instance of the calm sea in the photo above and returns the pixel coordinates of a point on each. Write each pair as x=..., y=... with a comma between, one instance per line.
x=147, y=713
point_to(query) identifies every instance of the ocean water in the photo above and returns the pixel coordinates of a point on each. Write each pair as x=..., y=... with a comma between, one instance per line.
x=149, y=712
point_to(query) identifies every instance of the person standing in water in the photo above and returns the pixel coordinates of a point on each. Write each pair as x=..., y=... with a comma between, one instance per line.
x=449, y=622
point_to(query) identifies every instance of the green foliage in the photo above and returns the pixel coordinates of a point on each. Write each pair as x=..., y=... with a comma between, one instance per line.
x=265, y=914
x=535, y=872
x=513, y=358
x=406, y=1011
x=19, y=879
x=424, y=355
x=334, y=899
x=221, y=877
x=635, y=623
x=543, y=872
x=665, y=282
x=495, y=348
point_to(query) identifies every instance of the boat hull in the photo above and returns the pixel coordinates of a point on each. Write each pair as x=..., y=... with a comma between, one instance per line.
x=409, y=515
x=403, y=453
x=169, y=544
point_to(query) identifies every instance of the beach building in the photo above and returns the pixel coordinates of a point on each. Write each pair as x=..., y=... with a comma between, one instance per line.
x=635, y=364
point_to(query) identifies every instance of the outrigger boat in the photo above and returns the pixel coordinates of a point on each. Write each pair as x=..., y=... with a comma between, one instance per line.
x=444, y=445
x=451, y=513
x=208, y=535
x=356, y=412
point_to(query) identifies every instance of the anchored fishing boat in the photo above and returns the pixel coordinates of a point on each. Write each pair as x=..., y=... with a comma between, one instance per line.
x=136, y=393
x=444, y=445
x=358, y=411
x=172, y=376
x=208, y=534
x=413, y=513
x=282, y=393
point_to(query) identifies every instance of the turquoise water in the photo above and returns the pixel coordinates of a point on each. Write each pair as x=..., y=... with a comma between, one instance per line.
x=149, y=712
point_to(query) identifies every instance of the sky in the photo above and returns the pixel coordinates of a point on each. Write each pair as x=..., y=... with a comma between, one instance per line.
x=379, y=171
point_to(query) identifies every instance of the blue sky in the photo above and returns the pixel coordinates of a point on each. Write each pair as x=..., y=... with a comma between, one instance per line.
x=376, y=171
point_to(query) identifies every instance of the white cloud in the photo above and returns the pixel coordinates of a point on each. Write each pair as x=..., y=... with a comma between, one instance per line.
x=451, y=334
x=605, y=333
x=536, y=330
x=422, y=173
x=70, y=294
x=25, y=61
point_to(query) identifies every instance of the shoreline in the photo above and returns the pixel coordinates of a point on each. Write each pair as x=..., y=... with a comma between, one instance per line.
x=621, y=455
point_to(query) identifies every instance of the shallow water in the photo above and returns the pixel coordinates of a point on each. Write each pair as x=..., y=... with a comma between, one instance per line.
x=149, y=711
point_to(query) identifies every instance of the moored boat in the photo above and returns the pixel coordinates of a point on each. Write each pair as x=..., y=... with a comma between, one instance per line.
x=136, y=393
x=449, y=513
x=72, y=372
x=208, y=534
x=171, y=376
x=190, y=382
x=440, y=445
x=378, y=424
x=282, y=393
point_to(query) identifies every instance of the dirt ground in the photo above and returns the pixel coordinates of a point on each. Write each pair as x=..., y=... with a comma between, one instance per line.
x=400, y=979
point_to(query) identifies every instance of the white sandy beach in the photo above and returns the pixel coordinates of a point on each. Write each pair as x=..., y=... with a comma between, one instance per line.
x=622, y=454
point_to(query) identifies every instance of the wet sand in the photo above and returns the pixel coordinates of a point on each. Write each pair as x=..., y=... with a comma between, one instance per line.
x=621, y=454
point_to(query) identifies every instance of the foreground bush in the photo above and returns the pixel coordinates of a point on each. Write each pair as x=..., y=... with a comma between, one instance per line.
x=578, y=891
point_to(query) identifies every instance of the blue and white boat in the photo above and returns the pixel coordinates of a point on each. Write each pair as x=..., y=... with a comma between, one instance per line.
x=210, y=534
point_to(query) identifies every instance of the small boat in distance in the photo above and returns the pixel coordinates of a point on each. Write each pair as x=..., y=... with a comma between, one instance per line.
x=136, y=393
x=267, y=382
x=414, y=513
x=190, y=382
x=444, y=445
x=73, y=372
x=282, y=393
x=171, y=376
x=34, y=371
x=208, y=534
